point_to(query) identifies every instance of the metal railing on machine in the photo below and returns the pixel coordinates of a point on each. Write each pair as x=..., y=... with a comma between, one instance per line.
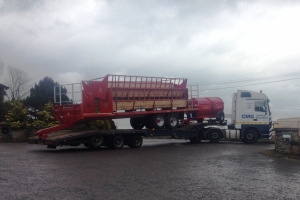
x=68, y=94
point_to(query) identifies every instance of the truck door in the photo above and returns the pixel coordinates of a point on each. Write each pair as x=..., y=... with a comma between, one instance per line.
x=261, y=112
x=247, y=111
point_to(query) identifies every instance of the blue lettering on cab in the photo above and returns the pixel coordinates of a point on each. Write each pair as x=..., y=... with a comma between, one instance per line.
x=248, y=116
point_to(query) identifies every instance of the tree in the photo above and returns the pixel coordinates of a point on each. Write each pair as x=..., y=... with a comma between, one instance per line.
x=18, y=82
x=42, y=93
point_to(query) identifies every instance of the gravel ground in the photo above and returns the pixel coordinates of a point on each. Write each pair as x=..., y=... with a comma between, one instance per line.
x=160, y=169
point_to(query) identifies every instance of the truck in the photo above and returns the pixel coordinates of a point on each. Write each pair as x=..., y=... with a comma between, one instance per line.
x=156, y=106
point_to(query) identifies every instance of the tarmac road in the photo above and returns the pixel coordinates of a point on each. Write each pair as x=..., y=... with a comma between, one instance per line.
x=160, y=169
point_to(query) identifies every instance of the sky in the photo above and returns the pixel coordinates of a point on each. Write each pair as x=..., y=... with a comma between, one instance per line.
x=253, y=44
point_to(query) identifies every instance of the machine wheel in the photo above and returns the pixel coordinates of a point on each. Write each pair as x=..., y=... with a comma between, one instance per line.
x=136, y=141
x=118, y=142
x=159, y=121
x=172, y=121
x=96, y=141
x=137, y=123
x=149, y=123
x=220, y=116
x=214, y=135
x=250, y=136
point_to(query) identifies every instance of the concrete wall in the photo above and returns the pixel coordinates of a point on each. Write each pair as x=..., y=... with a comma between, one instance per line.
x=17, y=135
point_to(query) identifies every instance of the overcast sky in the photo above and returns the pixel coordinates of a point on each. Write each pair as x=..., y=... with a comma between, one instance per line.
x=205, y=41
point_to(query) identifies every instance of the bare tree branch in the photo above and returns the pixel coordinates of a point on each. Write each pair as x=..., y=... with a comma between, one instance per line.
x=18, y=83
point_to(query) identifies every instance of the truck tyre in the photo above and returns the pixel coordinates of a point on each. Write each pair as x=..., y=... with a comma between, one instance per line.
x=118, y=142
x=136, y=141
x=214, y=135
x=96, y=141
x=159, y=121
x=172, y=121
x=220, y=116
x=137, y=123
x=250, y=136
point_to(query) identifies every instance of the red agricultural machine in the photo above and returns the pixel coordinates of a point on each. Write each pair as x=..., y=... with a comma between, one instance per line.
x=151, y=102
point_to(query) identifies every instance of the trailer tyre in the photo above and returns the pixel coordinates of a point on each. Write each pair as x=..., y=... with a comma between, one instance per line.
x=159, y=121
x=250, y=136
x=137, y=123
x=96, y=141
x=214, y=135
x=172, y=121
x=136, y=141
x=118, y=142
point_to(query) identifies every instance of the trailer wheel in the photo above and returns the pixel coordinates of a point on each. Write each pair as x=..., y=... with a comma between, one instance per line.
x=118, y=142
x=159, y=121
x=250, y=136
x=172, y=121
x=137, y=123
x=96, y=141
x=214, y=135
x=136, y=141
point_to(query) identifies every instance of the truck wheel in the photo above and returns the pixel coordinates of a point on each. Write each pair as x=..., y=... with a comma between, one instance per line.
x=220, y=116
x=159, y=121
x=118, y=142
x=137, y=123
x=172, y=121
x=214, y=135
x=250, y=136
x=136, y=141
x=96, y=141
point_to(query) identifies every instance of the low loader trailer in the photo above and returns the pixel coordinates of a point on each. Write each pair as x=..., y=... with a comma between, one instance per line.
x=117, y=138
x=156, y=107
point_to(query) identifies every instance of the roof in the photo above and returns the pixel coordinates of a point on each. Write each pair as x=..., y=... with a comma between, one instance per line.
x=3, y=86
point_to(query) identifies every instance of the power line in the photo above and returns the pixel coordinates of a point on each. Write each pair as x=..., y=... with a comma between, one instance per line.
x=286, y=108
x=251, y=84
x=251, y=79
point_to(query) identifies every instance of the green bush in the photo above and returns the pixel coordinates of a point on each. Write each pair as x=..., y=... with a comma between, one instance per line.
x=44, y=118
x=17, y=115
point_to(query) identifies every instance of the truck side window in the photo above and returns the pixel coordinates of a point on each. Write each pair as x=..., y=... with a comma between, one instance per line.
x=260, y=106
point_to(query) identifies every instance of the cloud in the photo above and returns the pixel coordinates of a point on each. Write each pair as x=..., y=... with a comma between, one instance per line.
x=69, y=77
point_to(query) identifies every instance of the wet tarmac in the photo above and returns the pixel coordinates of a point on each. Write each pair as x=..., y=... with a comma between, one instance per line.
x=160, y=169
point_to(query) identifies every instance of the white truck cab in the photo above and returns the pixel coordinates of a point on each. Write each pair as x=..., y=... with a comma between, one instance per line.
x=251, y=115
